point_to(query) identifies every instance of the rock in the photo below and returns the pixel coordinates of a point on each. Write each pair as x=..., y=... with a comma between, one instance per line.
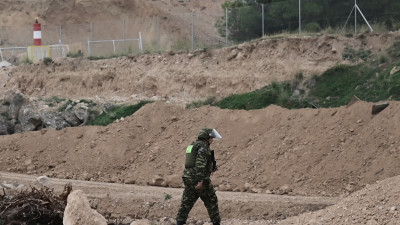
x=141, y=222
x=82, y=112
x=16, y=101
x=71, y=118
x=87, y=176
x=247, y=186
x=129, y=180
x=53, y=120
x=6, y=127
x=225, y=187
x=395, y=70
x=377, y=108
x=158, y=180
x=44, y=181
x=31, y=168
x=232, y=55
x=283, y=190
x=30, y=119
x=174, y=181
x=256, y=190
x=78, y=211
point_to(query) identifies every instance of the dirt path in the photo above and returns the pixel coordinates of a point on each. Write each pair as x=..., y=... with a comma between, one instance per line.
x=135, y=202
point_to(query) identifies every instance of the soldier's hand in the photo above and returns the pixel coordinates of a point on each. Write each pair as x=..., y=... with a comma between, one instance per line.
x=199, y=185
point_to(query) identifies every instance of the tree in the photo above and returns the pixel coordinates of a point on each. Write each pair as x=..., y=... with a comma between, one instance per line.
x=245, y=16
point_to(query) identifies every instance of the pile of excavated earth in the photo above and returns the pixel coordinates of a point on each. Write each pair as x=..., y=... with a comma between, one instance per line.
x=276, y=166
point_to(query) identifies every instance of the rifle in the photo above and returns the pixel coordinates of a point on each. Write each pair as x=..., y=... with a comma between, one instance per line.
x=215, y=167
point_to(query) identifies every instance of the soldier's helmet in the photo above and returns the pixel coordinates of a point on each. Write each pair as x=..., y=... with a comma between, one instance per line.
x=207, y=133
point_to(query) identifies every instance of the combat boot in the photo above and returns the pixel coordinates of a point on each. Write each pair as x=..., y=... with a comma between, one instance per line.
x=180, y=223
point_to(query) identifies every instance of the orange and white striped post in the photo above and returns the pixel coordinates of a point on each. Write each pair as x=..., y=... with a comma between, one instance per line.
x=37, y=33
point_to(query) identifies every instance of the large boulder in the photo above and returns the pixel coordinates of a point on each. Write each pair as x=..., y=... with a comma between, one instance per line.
x=6, y=126
x=53, y=120
x=15, y=100
x=82, y=112
x=71, y=118
x=78, y=211
x=30, y=119
x=36, y=119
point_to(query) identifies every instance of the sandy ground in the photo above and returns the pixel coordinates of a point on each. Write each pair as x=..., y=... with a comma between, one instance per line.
x=133, y=201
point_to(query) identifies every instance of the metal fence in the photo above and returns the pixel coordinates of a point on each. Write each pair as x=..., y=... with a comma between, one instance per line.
x=188, y=31
x=116, y=37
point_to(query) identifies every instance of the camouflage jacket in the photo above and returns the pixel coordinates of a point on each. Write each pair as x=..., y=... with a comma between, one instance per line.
x=203, y=164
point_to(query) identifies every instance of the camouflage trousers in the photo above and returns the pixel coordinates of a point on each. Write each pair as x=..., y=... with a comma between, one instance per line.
x=190, y=196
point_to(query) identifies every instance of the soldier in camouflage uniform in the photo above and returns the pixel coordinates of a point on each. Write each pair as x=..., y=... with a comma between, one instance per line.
x=199, y=165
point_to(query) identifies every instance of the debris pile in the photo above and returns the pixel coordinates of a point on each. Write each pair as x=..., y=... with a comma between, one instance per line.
x=35, y=206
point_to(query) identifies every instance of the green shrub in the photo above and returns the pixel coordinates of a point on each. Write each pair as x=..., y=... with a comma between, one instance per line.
x=26, y=60
x=383, y=59
x=353, y=55
x=197, y=104
x=394, y=51
x=95, y=57
x=53, y=100
x=116, y=113
x=276, y=93
x=76, y=54
x=167, y=197
x=47, y=61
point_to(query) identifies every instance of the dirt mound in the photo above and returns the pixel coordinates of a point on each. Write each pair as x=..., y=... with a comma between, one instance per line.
x=184, y=77
x=375, y=204
x=328, y=152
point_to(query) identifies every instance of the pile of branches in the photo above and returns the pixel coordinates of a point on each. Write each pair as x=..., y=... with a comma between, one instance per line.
x=32, y=207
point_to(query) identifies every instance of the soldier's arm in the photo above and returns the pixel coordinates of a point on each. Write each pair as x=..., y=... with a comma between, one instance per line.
x=201, y=163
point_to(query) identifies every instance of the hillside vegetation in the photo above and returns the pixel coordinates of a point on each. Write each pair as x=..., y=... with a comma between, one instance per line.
x=375, y=78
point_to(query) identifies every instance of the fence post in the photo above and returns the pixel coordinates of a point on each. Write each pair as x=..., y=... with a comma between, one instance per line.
x=299, y=16
x=91, y=30
x=158, y=34
x=192, y=30
x=62, y=52
x=226, y=26
x=262, y=7
x=140, y=42
x=123, y=33
x=355, y=17
x=90, y=38
x=89, y=51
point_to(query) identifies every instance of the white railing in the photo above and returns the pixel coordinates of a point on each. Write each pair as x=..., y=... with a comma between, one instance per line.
x=114, y=41
x=9, y=49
